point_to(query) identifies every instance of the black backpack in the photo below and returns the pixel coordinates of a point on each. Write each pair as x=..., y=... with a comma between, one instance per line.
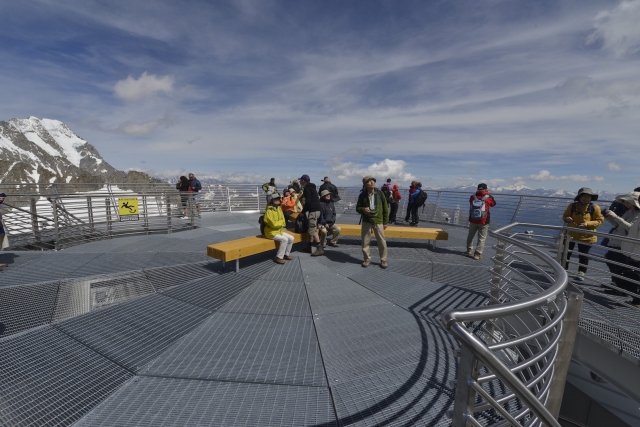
x=261, y=222
x=421, y=198
x=302, y=224
x=574, y=207
x=388, y=194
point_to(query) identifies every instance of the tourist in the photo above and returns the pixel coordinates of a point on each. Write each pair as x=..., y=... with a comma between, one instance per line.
x=412, y=188
x=417, y=199
x=633, y=261
x=374, y=211
x=582, y=213
x=288, y=203
x=328, y=220
x=183, y=187
x=195, y=188
x=4, y=241
x=269, y=188
x=479, y=219
x=327, y=185
x=274, y=224
x=621, y=225
x=393, y=207
x=311, y=208
x=296, y=186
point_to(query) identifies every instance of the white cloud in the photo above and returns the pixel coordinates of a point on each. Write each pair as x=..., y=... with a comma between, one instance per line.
x=394, y=169
x=614, y=167
x=618, y=29
x=137, y=129
x=545, y=175
x=147, y=85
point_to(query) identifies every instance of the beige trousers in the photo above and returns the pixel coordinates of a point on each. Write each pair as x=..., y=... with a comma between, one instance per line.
x=482, y=230
x=365, y=233
x=334, y=230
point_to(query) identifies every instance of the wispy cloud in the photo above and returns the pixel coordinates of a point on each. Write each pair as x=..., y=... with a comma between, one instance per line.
x=147, y=85
x=613, y=166
x=618, y=30
x=387, y=168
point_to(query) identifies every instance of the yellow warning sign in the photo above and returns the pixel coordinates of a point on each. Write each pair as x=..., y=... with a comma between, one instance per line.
x=128, y=209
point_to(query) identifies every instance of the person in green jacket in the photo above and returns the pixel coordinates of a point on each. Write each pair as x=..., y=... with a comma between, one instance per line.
x=274, y=223
x=374, y=209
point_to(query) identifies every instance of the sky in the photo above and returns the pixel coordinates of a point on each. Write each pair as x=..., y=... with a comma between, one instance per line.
x=448, y=92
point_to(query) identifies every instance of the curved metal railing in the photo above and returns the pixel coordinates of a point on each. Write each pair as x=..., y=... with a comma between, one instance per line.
x=509, y=349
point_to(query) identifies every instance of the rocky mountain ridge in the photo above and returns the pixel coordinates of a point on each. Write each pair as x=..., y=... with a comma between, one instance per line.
x=43, y=151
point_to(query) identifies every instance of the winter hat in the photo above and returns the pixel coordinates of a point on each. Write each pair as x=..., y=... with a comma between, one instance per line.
x=304, y=178
x=368, y=178
x=631, y=197
x=586, y=190
x=274, y=196
x=482, y=186
x=324, y=193
x=3, y=195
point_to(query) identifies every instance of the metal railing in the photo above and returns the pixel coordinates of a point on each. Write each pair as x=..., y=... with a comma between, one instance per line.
x=510, y=348
x=55, y=220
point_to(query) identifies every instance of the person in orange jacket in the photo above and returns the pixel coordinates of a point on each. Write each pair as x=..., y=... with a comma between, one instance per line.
x=288, y=203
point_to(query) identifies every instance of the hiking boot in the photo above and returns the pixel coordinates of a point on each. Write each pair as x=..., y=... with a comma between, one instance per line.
x=318, y=252
x=278, y=260
x=366, y=263
x=477, y=256
x=288, y=258
x=383, y=264
x=469, y=252
x=580, y=276
x=333, y=245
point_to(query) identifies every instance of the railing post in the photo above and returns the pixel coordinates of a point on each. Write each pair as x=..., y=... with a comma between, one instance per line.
x=145, y=211
x=54, y=207
x=34, y=221
x=228, y=199
x=90, y=210
x=258, y=197
x=168, y=203
x=465, y=395
x=192, y=214
x=517, y=211
x=435, y=208
x=107, y=204
x=496, y=279
x=565, y=349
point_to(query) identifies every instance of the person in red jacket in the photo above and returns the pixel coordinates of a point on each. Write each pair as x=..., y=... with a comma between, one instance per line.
x=479, y=218
x=394, y=205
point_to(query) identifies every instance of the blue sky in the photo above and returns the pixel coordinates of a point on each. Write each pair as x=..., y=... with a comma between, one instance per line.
x=542, y=94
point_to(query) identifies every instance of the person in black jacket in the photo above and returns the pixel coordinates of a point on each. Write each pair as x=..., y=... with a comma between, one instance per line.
x=328, y=220
x=327, y=185
x=183, y=187
x=312, y=209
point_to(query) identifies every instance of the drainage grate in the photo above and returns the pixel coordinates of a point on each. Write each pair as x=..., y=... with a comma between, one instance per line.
x=248, y=348
x=133, y=333
x=167, y=402
x=48, y=379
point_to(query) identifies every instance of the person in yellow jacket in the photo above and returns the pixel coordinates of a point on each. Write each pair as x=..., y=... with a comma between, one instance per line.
x=582, y=213
x=274, y=223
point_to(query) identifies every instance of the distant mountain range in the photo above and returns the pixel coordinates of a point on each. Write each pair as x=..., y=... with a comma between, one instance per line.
x=526, y=191
x=38, y=151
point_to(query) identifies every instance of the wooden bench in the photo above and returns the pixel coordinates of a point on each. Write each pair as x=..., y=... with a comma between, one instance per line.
x=395, y=232
x=240, y=248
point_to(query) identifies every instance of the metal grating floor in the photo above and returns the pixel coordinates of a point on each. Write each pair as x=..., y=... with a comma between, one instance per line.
x=168, y=402
x=246, y=348
x=270, y=297
x=210, y=292
x=26, y=307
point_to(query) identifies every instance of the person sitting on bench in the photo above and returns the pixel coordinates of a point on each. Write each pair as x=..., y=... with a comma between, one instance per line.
x=274, y=223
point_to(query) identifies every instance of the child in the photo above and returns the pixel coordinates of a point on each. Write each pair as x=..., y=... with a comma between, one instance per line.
x=274, y=223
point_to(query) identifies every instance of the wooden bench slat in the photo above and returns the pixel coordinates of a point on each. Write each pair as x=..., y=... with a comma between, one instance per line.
x=395, y=232
x=247, y=246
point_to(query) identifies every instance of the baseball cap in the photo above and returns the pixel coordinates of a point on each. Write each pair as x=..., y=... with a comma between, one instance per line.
x=304, y=178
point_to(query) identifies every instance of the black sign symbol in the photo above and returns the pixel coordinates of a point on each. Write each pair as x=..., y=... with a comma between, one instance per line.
x=132, y=209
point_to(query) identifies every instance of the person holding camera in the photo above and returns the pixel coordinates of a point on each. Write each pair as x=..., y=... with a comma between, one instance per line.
x=582, y=214
x=374, y=211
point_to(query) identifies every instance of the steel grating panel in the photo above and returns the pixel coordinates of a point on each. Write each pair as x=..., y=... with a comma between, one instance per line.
x=336, y=294
x=144, y=402
x=211, y=292
x=248, y=348
x=415, y=268
x=109, y=263
x=404, y=253
x=405, y=396
x=133, y=333
x=359, y=343
x=167, y=277
x=269, y=297
x=27, y=306
x=18, y=259
x=163, y=259
x=342, y=263
x=234, y=227
x=48, y=379
x=454, y=256
x=289, y=272
x=256, y=266
x=469, y=277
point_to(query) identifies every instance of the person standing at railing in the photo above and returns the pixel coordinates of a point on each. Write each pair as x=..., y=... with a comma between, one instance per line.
x=582, y=213
x=621, y=225
x=195, y=187
x=327, y=185
x=393, y=206
x=412, y=188
x=4, y=241
x=269, y=188
x=183, y=187
x=479, y=219
x=312, y=209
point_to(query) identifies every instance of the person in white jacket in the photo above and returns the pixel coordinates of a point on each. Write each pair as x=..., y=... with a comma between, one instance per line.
x=632, y=259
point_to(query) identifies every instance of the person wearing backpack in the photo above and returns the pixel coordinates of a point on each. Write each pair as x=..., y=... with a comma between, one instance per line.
x=582, y=213
x=395, y=204
x=417, y=199
x=327, y=185
x=269, y=188
x=412, y=188
x=274, y=223
x=374, y=211
x=479, y=219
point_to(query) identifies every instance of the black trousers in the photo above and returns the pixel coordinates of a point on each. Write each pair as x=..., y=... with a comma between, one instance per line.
x=393, y=212
x=614, y=268
x=632, y=274
x=406, y=217
x=583, y=249
x=414, y=214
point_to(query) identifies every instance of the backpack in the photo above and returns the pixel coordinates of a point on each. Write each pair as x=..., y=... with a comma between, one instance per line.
x=261, y=222
x=388, y=194
x=302, y=224
x=421, y=198
x=574, y=207
x=478, y=209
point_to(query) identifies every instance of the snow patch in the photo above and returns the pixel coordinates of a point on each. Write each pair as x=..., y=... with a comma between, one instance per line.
x=69, y=141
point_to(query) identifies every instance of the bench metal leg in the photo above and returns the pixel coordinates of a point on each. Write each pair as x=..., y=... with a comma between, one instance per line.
x=238, y=265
